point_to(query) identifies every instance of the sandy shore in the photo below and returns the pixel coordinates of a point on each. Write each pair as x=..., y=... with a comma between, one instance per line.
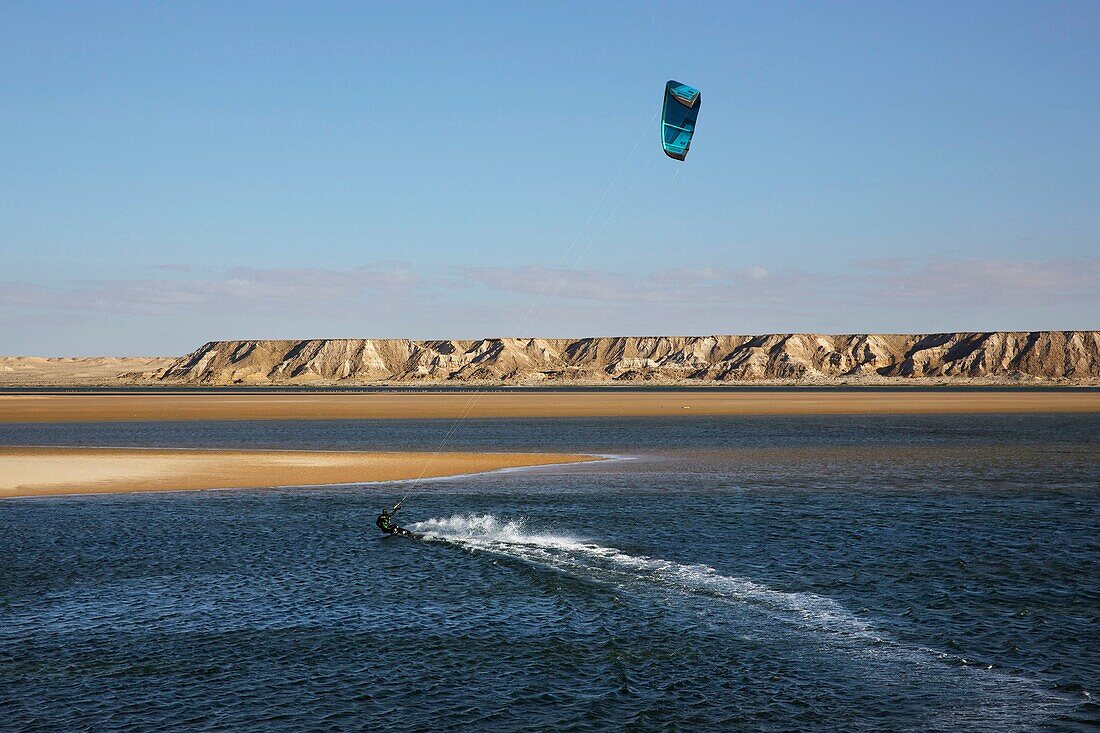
x=48, y=471
x=287, y=406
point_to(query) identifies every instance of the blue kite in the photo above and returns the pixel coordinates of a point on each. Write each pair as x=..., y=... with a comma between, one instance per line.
x=678, y=118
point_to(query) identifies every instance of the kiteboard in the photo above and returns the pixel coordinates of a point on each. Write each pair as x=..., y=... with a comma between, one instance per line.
x=402, y=532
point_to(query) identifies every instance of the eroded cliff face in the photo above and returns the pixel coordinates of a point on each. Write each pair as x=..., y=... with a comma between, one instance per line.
x=993, y=357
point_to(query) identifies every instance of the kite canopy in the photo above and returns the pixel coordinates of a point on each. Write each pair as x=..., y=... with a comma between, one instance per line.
x=678, y=118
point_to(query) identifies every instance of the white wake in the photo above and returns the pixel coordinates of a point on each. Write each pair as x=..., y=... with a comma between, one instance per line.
x=1006, y=701
x=509, y=538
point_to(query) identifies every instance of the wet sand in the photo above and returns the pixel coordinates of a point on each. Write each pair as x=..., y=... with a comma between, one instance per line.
x=16, y=408
x=52, y=471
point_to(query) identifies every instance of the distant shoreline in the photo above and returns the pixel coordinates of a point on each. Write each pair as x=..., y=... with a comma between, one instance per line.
x=49, y=471
x=469, y=387
x=275, y=405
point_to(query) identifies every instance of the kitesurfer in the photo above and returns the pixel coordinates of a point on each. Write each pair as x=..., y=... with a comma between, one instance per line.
x=385, y=522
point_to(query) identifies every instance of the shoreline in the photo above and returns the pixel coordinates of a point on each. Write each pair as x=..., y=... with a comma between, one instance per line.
x=27, y=472
x=8, y=383
x=137, y=407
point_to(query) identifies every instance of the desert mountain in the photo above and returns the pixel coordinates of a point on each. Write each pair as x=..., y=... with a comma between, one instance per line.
x=991, y=357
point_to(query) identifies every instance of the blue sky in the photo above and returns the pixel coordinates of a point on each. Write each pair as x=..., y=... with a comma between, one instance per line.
x=177, y=173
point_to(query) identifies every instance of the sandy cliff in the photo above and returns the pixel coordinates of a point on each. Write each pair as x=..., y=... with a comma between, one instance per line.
x=993, y=357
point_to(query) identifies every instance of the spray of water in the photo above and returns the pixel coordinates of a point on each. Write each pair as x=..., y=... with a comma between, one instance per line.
x=821, y=619
x=510, y=538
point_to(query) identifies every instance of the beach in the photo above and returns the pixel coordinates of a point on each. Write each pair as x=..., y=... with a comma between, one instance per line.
x=41, y=471
x=122, y=406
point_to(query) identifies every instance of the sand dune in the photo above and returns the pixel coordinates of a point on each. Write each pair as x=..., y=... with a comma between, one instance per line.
x=60, y=372
x=47, y=471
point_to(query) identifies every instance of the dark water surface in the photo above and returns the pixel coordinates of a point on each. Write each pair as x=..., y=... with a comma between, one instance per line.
x=766, y=573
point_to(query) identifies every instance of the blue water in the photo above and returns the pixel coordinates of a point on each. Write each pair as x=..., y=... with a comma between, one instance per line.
x=828, y=573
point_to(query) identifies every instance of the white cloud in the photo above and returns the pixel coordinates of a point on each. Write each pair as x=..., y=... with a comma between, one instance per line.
x=990, y=282
x=391, y=298
x=908, y=282
x=249, y=289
